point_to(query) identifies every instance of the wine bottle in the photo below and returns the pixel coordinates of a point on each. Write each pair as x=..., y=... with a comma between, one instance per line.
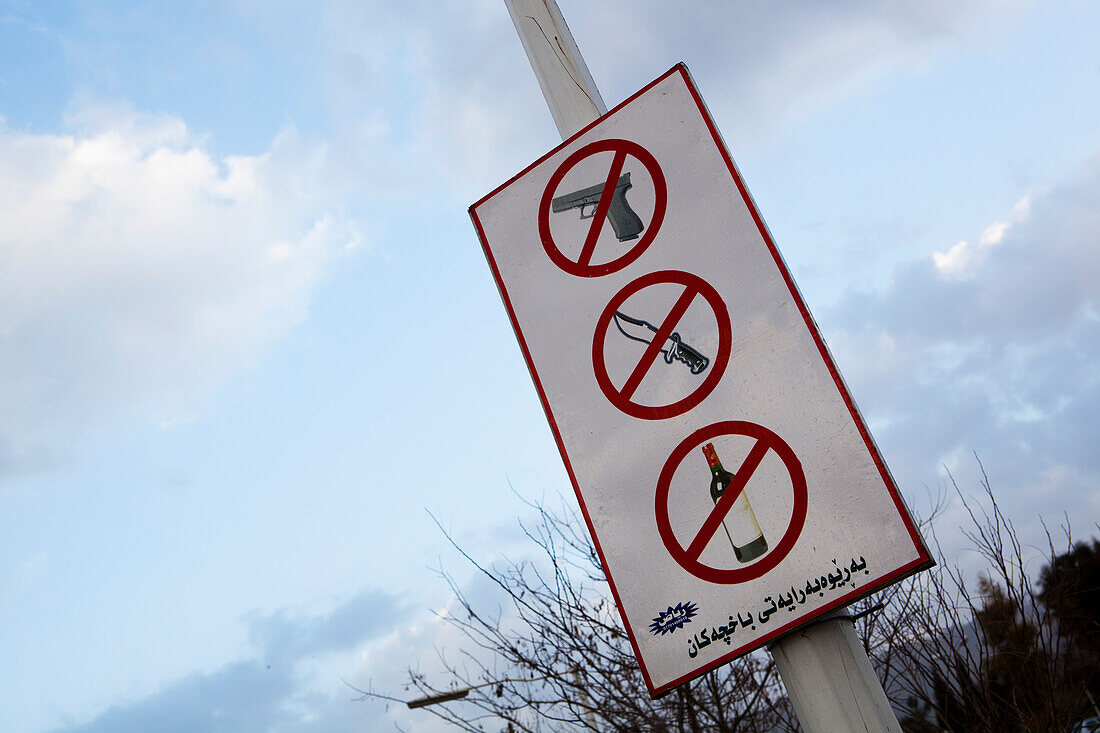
x=740, y=523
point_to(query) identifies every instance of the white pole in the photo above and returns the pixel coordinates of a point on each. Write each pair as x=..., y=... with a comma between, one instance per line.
x=824, y=667
x=568, y=87
x=586, y=699
x=830, y=680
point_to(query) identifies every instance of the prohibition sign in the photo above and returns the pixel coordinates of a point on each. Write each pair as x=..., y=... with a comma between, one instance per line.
x=688, y=557
x=622, y=397
x=583, y=266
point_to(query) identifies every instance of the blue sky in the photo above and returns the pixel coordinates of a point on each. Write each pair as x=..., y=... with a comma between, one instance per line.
x=247, y=334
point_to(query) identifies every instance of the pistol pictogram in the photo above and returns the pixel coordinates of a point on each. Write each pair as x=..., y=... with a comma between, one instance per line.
x=624, y=221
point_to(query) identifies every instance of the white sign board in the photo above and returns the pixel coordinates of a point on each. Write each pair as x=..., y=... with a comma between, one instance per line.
x=729, y=483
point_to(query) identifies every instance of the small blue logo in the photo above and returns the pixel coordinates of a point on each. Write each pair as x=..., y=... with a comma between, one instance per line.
x=674, y=618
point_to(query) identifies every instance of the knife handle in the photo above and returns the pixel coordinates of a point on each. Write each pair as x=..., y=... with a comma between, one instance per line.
x=687, y=355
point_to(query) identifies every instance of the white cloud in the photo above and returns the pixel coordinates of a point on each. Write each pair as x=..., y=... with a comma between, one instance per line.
x=446, y=88
x=137, y=271
x=992, y=348
x=429, y=97
x=964, y=259
x=276, y=691
x=764, y=64
x=294, y=680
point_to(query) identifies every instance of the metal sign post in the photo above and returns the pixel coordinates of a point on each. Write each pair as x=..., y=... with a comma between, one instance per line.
x=826, y=671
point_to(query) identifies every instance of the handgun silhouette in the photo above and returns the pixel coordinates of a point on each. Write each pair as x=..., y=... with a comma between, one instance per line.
x=624, y=221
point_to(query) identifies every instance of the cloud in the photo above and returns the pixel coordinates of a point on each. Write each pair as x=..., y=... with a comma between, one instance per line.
x=431, y=645
x=421, y=105
x=411, y=90
x=137, y=271
x=275, y=691
x=285, y=637
x=992, y=348
x=776, y=61
x=294, y=684
x=963, y=259
x=810, y=56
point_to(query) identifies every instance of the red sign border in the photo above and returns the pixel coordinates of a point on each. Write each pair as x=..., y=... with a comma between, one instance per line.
x=717, y=367
x=924, y=558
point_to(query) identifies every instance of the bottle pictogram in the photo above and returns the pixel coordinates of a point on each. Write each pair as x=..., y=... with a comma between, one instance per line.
x=740, y=524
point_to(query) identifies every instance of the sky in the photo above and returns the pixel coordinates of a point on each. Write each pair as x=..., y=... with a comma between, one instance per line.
x=251, y=352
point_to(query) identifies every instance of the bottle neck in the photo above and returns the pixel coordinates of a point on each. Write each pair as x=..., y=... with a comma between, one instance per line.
x=712, y=459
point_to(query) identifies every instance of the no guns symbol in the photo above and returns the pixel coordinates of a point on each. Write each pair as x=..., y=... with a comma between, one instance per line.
x=601, y=203
x=677, y=395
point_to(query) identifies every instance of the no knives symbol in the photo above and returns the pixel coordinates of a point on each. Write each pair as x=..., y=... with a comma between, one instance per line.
x=599, y=200
x=763, y=443
x=678, y=388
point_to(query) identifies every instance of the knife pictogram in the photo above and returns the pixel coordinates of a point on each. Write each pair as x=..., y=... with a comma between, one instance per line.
x=636, y=329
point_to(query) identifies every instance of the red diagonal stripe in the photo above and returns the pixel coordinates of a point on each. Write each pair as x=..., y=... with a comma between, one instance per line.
x=726, y=500
x=658, y=341
x=601, y=208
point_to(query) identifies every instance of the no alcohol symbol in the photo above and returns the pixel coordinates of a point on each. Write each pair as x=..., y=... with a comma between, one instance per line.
x=766, y=442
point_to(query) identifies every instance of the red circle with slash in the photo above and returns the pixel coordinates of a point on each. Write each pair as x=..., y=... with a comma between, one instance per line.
x=582, y=266
x=622, y=397
x=766, y=442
